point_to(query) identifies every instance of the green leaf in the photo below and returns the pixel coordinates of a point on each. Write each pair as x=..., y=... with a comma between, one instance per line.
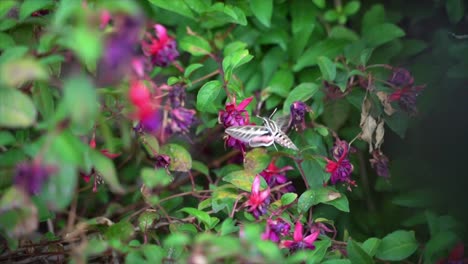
x=122, y=230
x=150, y=143
x=180, y=157
x=288, y=198
x=17, y=72
x=105, y=167
x=201, y=167
x=439, y=244
x=281, y=82
x=13, y=53
x=316, y=175
x=80, y=102
x=6, y=6
x=380, y=34
x=455, y=10
x=191, y=68
x=256, y=160
x=155, y=177
x=241, y=179
x=356, y=254
x=30, y=6
x=302, y=92
x=6, y=41
x=42, y=96
x=328, y=48
x=336, y=113
x=177, y=6
x=202, y=216
x=327, y=67
x=87, y=44
x=397, y=246
x=16, y=109
x=195, y=45
x=146, y=220
x=19, y=215
x=337, y=261
x=371, y=246
x=6, y=138
x=374, y=16
x=262, y=9
x=398, y=122
x=58, y=191
x=352, y=7
x=207, y=94
x=319, y=3
x=325, y=195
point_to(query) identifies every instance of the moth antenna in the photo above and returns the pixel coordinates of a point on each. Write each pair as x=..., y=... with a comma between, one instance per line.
x=272, y=114
x=275, y=146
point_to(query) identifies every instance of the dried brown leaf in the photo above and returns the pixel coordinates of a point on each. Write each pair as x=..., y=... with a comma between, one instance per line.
x=383, y=97
x=379, y=134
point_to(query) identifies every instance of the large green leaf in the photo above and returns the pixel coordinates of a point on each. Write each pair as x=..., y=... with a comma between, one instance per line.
x=207, y=94
x=180, y=157
x=177, y=6
x=256, y=160
x=16, y=109
x=262, y=9
x=328, y=48
x=302, y=92
x=105, y=167
x=30, y=6
x=356, y=254
x=397, y=246
x=380, y=34
x=195, y=45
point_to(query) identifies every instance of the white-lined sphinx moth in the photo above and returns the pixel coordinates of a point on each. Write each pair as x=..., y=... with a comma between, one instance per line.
x=262, y=136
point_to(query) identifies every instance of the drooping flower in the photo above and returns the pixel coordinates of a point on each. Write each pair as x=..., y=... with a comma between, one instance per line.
x=119, y=50
x=181, y=119
x=258, y=200
x=405, y=92
x=275, y=176
x=162, y=161
x=380, y=163
x=340, y=167
x=235, y=115
x=299, y=241
x=298, y=111
x=161, y=49
x=275, y=229
x=30, y=176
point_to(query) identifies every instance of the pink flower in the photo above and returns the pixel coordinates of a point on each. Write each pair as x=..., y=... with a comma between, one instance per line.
x=275, y=176
x=235, y=115
x=275, y=229
x=299, y=241
x=163, y=49
x=258, y=200
x=340, y=167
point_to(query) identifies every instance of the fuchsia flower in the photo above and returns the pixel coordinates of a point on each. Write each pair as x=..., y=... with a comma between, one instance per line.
x=30, y=176
x=140, y=97
x=235, y=115
x=258, y=200
x=405, y=92
x=275, y=229
x=340, y=167
x=299, y=241
x=275, y=176
x=380, y=163
x=162, y=49
x=456, y=256
x=181, y=119
x=298, y=111
x=162, y=161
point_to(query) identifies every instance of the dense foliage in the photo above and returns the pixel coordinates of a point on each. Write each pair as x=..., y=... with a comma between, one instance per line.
x=193, y=131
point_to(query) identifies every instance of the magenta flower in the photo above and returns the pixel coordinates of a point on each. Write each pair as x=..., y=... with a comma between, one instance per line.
x=162, y=161
x=340, y=167
x=30, y=176
x=275, y=229
x=235, y=115
x=380, y=163
x=161, y=49
x=405, y=92
x=258, y=200
x=275, y=176
x=298, y=111
x=181, y=119
x=299, y=241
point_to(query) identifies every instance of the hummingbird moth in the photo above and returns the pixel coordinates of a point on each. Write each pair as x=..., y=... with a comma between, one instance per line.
x=263, y=136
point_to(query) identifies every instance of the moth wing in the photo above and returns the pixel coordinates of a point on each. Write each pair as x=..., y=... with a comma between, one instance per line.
x=246, y=133
x=283, y=140
x=262, y=141
x=283, y=122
